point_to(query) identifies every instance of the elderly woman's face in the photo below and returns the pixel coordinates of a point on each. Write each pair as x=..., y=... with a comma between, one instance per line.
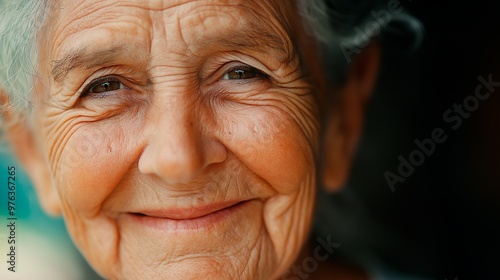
x=181, y=136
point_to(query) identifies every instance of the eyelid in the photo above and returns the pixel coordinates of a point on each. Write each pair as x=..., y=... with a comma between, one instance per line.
x=218, y=67
x=85, y=92
x=244, y=67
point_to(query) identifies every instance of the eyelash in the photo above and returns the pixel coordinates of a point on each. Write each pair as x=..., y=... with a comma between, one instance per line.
x=257, y=74
x=100, y=81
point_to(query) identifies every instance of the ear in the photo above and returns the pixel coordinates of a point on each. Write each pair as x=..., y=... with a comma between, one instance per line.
x=344, y=122
x=23, y=146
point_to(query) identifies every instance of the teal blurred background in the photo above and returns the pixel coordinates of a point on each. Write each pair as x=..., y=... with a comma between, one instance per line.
x=44, y=249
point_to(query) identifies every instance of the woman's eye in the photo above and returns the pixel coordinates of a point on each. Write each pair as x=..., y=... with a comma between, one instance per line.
x=106, y=86
x=103, y=87
x=242, y=73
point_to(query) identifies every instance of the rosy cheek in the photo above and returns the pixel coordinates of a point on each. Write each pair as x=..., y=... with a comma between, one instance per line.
x=273, y=146
x=91, y=165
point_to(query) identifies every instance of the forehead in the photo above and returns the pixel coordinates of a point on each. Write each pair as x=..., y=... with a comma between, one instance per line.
x=180, y=24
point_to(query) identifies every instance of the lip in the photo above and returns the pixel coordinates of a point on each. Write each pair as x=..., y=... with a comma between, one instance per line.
x=188, y=213
x=189, y=219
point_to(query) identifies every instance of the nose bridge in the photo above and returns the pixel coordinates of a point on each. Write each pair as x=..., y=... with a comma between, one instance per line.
x=174, y=149
x=177, y=124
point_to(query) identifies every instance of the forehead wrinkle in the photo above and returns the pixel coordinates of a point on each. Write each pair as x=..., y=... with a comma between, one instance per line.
x=270, y=23
x=256, y=40
x=245, y=26
x=83, y=58
x=252, y=35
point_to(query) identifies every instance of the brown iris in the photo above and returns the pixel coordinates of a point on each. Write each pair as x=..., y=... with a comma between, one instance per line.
x=105, y=86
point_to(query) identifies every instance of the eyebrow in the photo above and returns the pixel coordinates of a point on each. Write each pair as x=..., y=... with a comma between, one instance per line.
x=255, y=39
x=83, y=58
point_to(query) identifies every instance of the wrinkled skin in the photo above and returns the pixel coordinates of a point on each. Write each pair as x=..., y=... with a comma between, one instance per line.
x=203, y=102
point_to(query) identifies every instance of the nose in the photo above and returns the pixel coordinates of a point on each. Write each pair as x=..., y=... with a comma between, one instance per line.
x=179, y=146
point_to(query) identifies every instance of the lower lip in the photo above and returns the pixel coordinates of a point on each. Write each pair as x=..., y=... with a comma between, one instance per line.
x=191, y=225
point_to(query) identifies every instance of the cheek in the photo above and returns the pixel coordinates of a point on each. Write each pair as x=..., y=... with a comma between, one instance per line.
x=279, y=146
x=92, y=162
x=273, y=145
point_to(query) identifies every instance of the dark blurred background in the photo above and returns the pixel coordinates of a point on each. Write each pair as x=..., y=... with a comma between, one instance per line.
x=443, y=221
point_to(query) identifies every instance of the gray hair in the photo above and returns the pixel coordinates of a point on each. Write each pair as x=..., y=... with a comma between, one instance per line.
x=20, y=23
x=332, y=22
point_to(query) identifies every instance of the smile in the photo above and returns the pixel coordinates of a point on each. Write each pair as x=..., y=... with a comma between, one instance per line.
x=190, y=219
